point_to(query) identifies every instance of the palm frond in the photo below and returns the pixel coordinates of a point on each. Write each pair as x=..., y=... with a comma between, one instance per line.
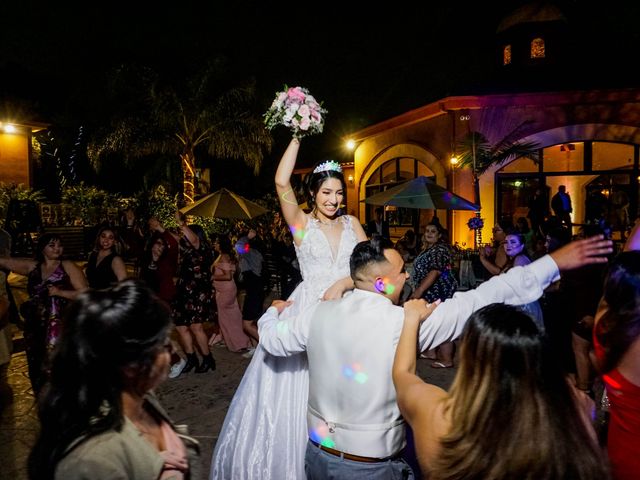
x=476, y=149
x=206, y=111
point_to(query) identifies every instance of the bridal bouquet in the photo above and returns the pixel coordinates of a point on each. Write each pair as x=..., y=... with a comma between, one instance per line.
x=296, y=109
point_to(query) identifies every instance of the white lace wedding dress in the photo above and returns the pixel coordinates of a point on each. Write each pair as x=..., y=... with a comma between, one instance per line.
x=264, y=434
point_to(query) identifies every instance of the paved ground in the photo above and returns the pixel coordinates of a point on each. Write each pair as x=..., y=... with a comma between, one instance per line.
x=198, y=400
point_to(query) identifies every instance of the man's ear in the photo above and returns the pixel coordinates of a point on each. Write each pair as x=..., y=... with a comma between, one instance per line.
x=380, y=285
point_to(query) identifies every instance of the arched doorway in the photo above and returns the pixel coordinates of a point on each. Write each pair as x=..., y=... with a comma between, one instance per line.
x=390, y=174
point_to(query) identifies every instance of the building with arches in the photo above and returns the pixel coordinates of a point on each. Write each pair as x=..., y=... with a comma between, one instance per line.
x=587, y=138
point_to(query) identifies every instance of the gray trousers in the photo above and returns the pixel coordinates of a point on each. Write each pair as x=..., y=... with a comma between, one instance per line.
x=320, y=465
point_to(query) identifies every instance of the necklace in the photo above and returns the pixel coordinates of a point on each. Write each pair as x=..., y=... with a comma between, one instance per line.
x=328, y=223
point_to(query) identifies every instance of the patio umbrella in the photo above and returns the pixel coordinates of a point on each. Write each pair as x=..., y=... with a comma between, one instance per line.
x=224, y=204
x=421, y=192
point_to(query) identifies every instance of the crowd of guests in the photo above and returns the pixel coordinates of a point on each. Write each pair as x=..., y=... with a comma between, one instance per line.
x=567, y=322
x=331, y=384
x=194, y=278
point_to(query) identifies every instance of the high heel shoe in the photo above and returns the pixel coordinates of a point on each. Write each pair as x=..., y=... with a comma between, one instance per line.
x=192, y=362
x=208, y=363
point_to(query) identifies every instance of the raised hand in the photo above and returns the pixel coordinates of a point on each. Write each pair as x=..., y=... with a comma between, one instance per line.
x=583, y=252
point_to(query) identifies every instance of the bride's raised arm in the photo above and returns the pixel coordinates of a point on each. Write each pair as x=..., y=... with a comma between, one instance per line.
x=292, y=213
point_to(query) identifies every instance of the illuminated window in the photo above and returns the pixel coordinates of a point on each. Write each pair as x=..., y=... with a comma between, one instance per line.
x=537, y=48
x=506, y=55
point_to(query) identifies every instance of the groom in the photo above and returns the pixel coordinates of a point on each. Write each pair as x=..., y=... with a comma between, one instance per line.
x=350, y=342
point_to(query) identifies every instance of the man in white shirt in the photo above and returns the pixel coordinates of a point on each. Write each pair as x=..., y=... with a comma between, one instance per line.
x=351, y=342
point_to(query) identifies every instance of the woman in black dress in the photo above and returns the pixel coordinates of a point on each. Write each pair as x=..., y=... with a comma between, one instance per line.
x=105, y=267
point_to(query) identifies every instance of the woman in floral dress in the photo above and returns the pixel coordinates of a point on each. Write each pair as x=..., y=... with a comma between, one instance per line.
x=433, y=280
x=193, y=301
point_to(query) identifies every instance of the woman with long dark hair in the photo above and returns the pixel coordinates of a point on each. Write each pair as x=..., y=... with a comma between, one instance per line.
x=510, y=412
x=617, y=348
x=105, y=267
x=52, y=282
x=99, y=419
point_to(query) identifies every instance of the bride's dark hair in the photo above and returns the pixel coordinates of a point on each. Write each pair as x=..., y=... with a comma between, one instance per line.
x=105, y=331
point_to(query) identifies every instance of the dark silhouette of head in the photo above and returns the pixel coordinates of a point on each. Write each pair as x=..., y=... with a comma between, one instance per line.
x=619, y=324
x=506, y=373
x=110, y=339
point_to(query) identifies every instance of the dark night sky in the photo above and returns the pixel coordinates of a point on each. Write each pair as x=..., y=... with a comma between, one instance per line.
x=366, y=65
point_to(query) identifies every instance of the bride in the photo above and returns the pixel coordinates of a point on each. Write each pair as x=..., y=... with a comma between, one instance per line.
x=264, y=434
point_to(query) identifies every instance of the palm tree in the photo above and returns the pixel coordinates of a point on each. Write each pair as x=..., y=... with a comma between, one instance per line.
x=205, y=114
x=477, y=153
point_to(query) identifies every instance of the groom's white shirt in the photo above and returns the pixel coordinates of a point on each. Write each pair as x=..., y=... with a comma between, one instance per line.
x=351, y=343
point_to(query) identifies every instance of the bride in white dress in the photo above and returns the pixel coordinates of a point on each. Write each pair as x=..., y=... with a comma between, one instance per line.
x=264, y=434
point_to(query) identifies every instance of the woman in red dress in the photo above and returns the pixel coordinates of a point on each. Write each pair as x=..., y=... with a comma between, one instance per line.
x=617, y=348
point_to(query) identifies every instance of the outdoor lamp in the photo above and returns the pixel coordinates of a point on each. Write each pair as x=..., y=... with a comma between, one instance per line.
x=8, y=128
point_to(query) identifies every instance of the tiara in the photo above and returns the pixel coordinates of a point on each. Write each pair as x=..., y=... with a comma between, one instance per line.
x=329, y=165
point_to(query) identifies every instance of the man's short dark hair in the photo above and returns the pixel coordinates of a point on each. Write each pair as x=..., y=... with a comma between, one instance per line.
x=367, y=253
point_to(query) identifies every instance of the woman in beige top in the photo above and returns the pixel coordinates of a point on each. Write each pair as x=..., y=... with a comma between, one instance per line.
x=99, y=417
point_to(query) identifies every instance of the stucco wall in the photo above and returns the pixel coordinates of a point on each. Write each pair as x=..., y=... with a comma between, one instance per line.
x=429, y=134
x=14, y=159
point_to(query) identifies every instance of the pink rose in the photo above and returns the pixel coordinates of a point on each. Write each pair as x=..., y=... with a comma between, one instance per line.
x=296, y=94
x=305, y=123
x=304, y=110
x=315, y=116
